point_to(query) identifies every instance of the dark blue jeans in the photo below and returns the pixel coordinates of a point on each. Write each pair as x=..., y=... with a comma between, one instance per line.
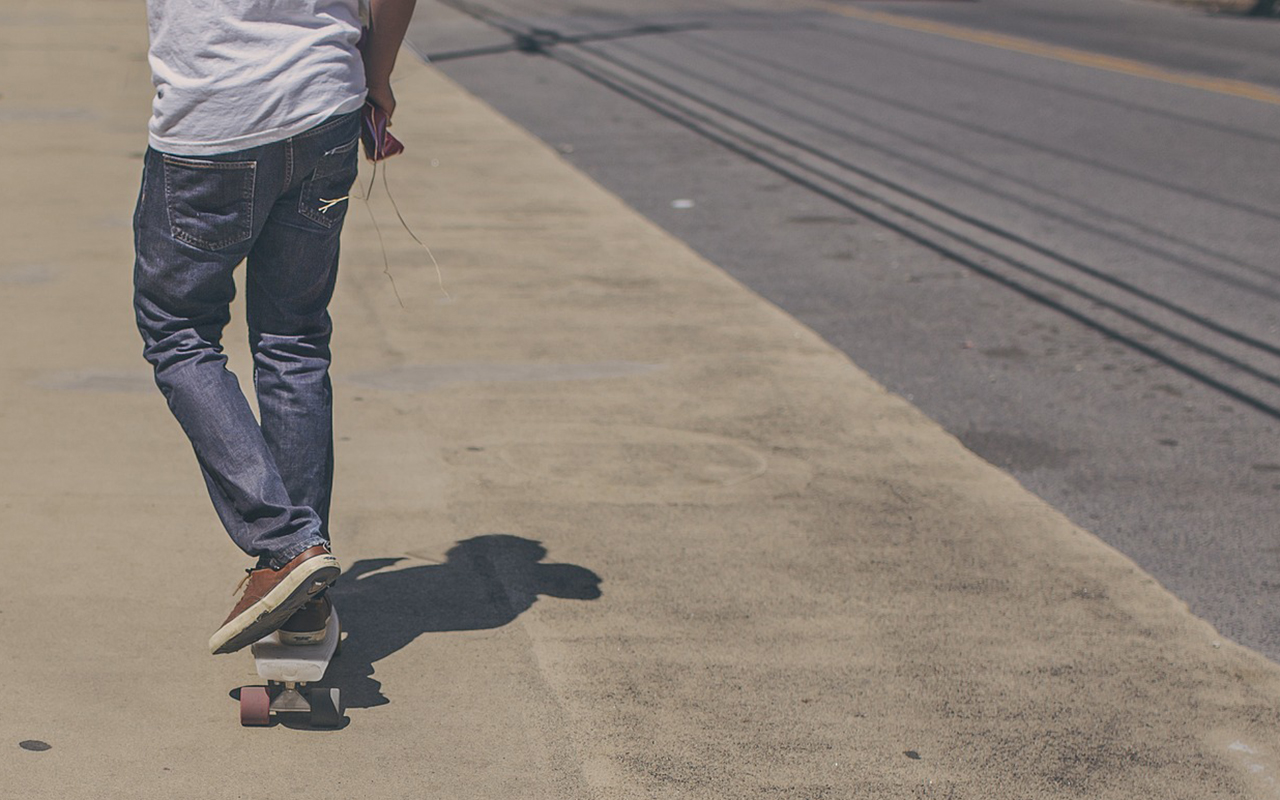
x=279, y=208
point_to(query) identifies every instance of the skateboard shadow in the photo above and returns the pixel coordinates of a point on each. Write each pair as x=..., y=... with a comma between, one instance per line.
x=484, y=583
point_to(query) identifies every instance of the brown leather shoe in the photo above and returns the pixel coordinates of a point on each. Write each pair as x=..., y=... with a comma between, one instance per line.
x=308, y=624
x=272, y=595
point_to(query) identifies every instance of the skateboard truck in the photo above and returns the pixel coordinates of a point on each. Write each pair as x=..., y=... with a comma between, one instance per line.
x=322, y=706
x=289, y=671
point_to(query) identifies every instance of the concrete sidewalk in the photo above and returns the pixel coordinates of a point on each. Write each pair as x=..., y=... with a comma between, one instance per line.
x=614, y=527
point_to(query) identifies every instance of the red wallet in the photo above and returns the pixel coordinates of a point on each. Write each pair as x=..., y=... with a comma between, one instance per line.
x=378, y=141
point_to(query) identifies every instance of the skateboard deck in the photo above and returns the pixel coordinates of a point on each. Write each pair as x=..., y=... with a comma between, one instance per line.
x=289, y=670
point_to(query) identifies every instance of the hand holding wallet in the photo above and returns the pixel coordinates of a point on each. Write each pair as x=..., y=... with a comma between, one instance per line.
x=378, y=141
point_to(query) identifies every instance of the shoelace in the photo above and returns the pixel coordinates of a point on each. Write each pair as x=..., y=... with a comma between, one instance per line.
x=247, y=574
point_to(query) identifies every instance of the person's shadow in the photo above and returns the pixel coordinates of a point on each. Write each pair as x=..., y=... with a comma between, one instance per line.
x=485, y=582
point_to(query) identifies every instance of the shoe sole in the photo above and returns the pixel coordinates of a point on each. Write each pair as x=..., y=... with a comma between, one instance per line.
x=305, y=581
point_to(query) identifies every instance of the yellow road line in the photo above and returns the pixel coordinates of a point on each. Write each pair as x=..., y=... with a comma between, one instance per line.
x=1082, y=58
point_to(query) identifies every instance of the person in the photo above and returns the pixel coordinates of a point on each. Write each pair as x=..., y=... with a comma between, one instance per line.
x=252, y=153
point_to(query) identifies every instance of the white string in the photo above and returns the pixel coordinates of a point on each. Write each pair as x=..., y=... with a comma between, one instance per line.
x=439, y=272
x=386, y=264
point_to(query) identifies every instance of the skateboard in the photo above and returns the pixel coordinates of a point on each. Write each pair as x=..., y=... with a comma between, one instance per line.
x=290, y=671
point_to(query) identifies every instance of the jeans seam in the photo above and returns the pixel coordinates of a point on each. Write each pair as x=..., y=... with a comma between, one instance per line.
x=324, y=126
x=342, y=148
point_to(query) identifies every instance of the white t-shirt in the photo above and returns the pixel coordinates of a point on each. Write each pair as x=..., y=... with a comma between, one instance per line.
x=235, y=74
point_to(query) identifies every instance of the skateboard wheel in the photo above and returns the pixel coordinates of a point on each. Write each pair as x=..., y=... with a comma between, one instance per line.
x=326, y=708
x=255, y=706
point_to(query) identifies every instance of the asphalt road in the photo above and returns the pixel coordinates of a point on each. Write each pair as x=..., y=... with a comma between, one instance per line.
x=1068, y=261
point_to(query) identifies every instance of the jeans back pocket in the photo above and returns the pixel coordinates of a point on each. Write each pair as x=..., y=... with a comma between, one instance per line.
x=325, y=192
x=210, y=203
